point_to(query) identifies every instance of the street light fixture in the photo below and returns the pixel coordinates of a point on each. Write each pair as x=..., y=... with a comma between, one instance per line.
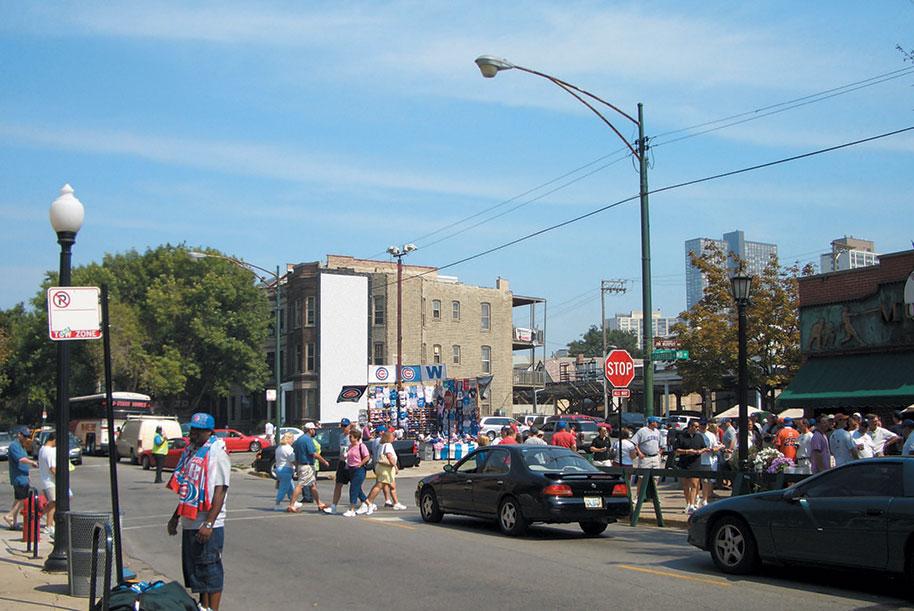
x=277, y=361
x=399, y=253
x=490, y=65
x=66, y=216
x=741, y=289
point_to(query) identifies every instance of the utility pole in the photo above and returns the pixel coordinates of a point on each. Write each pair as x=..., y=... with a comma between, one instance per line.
x=607, y=286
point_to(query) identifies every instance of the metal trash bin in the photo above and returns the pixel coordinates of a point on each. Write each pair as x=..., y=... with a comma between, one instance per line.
x=80, y=526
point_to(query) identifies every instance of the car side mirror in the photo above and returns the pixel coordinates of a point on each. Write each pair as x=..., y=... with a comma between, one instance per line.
x=448, y=468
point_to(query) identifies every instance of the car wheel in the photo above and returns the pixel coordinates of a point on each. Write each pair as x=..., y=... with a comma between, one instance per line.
x=428, y=506
x=491, y=435
x=593, y=528
x=146, y=465
x=733, y=547
x=255, y=446
x=511, y=519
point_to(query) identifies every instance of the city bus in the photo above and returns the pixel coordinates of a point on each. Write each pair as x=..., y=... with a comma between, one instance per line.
x=89, y=417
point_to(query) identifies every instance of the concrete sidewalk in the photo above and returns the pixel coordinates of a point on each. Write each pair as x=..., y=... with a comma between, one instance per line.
x=25, y=585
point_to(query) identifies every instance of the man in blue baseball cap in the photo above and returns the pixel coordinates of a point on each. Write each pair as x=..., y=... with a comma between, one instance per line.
x=201, y=481
x=563, y=438
x=19, y=463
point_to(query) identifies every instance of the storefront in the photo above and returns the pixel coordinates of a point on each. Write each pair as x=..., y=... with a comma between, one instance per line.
x=857, y=340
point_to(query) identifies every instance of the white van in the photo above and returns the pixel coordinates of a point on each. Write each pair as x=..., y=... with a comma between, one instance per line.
x=138, y=432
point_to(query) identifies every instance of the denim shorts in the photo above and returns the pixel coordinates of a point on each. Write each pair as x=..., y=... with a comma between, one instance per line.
x=202, y=562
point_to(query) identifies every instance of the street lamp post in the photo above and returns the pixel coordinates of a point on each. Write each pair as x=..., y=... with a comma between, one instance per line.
x=490, y=66
x=741, y=289
x=66, y=218
x=399, y=253
x=277, y=361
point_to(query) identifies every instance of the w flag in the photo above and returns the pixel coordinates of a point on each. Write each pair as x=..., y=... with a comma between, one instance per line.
x=351, y=393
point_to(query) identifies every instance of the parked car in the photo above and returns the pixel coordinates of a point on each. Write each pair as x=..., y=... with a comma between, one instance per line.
x=856, y=516
x=296, y=432
x=175, y=449
x=407, y=452
x=679, y=422
x=586, y=431
x=5, y=440
x=138, y=433
x=630, y=420
x=40, y=436
x=491, y=425
x=236, y=441
x=573, y=418
x=520, y=484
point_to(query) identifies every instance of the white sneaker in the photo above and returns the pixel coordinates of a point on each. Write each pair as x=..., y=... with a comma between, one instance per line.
x=371, y=509
x=363, y=509
x=329, y=509
x=296, y=505
x=690, y=509
x=349, y=513
x=399, y=507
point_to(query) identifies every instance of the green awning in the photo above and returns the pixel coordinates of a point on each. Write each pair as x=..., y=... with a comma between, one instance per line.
x=859, y=381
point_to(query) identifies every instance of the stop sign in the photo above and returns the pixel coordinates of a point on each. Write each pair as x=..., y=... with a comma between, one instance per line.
x=619, y=368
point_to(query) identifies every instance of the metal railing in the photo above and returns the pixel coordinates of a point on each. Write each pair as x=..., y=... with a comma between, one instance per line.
x=529, y=378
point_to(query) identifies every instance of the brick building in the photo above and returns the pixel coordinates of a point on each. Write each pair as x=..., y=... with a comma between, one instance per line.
x=857, y=339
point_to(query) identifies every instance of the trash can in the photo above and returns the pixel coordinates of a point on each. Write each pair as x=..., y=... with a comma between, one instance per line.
x=79, y=552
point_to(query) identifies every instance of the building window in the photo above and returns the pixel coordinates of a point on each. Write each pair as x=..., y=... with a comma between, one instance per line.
x=296, y=314
x=455, y=310
x=379, y=353
x=436, y=353
x=310, y=357
x=310, y=314
x=486, y=316
x=299, y=361
x=379, y=305
x=486, y=359
x=456, y=352
x=436, y=309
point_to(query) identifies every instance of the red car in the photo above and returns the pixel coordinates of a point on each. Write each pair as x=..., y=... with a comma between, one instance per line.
x=236, y=441
x=175, y=449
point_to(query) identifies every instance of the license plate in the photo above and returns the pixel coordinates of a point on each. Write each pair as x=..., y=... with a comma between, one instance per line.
x=593, y=502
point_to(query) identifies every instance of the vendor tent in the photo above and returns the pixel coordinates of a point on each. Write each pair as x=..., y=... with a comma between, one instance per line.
x=793, y=412
x=733, y=412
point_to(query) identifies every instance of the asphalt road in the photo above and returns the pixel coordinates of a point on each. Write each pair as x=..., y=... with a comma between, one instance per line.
x=277, y=560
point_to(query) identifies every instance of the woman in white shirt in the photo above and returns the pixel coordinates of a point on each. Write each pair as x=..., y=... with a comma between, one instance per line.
x=385, y=470
x=284, y=462
x=627, y=448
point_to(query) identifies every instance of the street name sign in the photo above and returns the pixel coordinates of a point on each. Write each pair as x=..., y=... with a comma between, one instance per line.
x=73, y=313
x=619, y=368
x=670, y=355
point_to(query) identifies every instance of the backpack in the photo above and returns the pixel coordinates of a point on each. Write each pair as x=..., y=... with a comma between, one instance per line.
x=156, y=596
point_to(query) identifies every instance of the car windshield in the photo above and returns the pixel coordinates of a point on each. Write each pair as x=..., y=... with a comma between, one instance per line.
x=5, y=437
x=556, y=460
x=586, y=426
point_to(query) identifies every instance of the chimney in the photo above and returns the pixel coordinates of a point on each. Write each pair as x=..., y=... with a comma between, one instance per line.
x=502, y=284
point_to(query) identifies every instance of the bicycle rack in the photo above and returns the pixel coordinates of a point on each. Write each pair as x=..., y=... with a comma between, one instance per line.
x=109, y=544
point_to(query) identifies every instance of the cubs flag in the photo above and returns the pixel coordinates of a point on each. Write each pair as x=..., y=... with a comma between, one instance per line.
x=351, y=393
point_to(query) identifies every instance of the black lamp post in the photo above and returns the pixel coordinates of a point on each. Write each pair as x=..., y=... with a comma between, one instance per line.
x=741, y=289
x=66, y=218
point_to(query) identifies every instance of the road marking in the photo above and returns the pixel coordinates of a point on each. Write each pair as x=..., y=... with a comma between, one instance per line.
x=395, y=522
x=707, y=580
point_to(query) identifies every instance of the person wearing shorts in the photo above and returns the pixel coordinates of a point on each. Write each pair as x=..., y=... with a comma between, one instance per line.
x=19, y=463
x=305, y=455
x=342, y=472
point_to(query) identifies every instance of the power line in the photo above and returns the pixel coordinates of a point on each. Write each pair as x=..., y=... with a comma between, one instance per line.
x=662, y=190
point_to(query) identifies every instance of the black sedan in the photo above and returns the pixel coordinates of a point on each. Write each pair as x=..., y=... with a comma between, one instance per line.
x=859, y=515
x=521, y=484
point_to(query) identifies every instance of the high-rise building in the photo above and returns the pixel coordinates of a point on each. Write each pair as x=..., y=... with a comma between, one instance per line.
x=755, y=256
x=848, y=253
x=634, y=323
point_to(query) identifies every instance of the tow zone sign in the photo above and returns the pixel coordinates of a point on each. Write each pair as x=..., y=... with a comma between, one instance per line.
x=73, y=313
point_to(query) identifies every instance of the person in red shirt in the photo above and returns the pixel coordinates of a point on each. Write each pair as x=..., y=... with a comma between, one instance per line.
x=507, y=436
x=787, y=440
x=563, y=438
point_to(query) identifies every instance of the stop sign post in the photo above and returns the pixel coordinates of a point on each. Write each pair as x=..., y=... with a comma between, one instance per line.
x=619, y=368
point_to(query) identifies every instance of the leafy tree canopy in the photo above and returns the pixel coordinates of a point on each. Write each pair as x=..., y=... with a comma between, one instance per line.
x=591, y=342
x=184, y=331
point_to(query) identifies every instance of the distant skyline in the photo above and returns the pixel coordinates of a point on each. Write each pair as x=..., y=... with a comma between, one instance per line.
x=280, y=133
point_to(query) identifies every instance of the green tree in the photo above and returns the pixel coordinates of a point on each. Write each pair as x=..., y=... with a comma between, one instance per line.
x=186, y=332
x=591, y=342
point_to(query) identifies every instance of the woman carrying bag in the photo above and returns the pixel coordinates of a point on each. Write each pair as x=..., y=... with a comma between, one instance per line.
x=386, y=476
x=356, y=458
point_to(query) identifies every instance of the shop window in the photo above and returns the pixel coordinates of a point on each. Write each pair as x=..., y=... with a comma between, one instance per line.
x=486, y=321
x=486, y=359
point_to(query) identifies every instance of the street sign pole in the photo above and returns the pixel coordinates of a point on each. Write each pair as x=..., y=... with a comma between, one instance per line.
x=112, y=452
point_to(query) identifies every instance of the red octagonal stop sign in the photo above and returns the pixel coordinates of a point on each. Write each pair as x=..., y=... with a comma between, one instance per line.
x=619, y=368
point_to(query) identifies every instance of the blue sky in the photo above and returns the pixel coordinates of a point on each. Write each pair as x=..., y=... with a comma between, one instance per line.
x=281, y=132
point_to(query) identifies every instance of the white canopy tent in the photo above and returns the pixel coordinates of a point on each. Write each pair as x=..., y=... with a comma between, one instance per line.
x=793, y=412
x=733, y=412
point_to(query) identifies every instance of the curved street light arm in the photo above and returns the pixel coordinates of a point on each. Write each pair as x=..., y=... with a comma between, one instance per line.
x=239, y=262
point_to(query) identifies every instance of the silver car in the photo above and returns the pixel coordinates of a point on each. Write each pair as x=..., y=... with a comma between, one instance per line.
x=5, y=440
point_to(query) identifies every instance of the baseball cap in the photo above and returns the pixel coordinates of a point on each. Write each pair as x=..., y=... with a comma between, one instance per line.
x=702, y=421
x=653, y=419
x=908, y=423
x=788, y=421
x=534, y=430
x=310, y=426
x=345, y=422
x=380, y=428
x=857, y=415
x=561, y=424
x=20, y=430
x=202, y=420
